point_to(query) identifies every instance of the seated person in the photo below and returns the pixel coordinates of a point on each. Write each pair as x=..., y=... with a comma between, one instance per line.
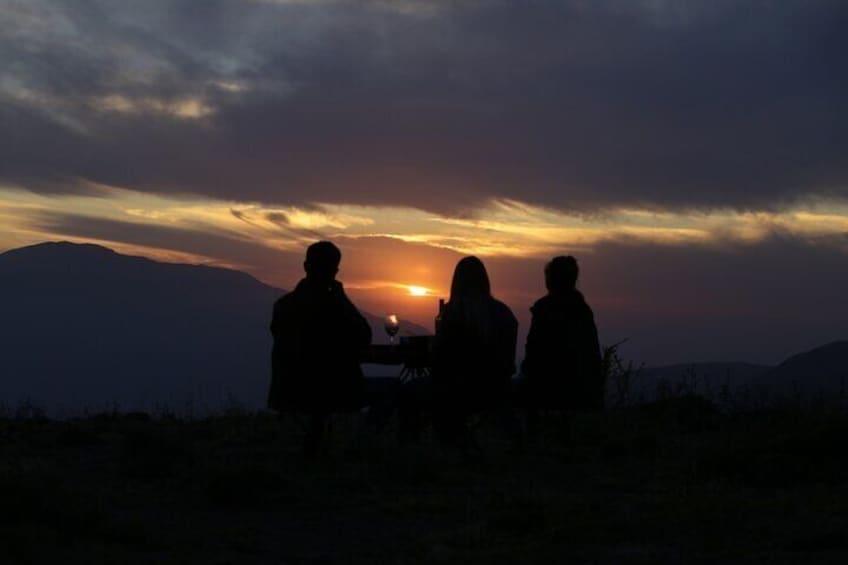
x=473, y=354
x=318, y=336
x=562, y=362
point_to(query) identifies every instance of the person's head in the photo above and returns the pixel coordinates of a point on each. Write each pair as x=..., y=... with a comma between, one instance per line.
x=470, y=280
x=322, y=261
x=561, y=274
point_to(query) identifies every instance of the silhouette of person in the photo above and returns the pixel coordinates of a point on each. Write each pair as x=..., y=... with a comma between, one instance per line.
x=473, y=354
x=562, y=360
x=318, y=336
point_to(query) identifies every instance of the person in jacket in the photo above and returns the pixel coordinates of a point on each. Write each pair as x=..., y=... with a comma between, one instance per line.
x=318, y=337
x=562, y=362
x=473, y=353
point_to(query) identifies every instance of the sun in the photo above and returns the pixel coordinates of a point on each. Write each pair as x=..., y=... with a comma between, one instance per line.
x=418, y=290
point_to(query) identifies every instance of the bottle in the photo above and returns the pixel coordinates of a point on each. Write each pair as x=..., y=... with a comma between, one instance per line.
x=439, y=315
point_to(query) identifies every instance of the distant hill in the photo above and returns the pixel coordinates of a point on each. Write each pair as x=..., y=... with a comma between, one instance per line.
x=84, y=327
x=819, y=371
x=701, y=378
x=822, y=371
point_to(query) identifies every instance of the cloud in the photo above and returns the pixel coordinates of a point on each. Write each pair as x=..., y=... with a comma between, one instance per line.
x=500, y=229
x=160, y=241
x=185, y=108
x=247, y=129
x=440, y=106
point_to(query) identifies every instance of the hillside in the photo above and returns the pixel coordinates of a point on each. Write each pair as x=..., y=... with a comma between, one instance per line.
x=819, y=373
x=823, y=370
x=87, y=328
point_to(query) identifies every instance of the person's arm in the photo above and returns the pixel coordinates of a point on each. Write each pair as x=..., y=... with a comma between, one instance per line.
x=356, y=325
x=275, y=319
x=531, y=346
x=442, y=344
x=285, y=328
x=593, y=362
x=510, y=341
x=276, y=394
x=593, y=345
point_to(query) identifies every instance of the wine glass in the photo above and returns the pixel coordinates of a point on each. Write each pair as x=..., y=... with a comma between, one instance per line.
x=392, y=325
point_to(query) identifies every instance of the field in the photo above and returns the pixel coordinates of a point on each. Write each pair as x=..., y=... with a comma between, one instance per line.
x=676, y=481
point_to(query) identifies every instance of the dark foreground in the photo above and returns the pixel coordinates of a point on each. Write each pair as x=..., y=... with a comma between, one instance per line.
x=675, y=482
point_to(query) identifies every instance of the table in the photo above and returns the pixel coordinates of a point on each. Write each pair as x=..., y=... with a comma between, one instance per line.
x=415, y=353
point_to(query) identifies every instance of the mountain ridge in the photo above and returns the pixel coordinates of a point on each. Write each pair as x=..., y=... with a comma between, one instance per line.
x=821, y=370
x=85, y=327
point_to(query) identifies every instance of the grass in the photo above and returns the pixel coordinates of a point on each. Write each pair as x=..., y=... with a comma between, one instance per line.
x=673, y=481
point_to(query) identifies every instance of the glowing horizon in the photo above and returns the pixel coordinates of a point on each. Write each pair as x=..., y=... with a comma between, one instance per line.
x=504, y=228
x=418, y=290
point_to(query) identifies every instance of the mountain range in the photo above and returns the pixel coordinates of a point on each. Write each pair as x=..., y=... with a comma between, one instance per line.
x=86, y=328
x=821, y=372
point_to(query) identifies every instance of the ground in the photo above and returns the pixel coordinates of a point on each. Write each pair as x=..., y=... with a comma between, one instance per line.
x=677, y=481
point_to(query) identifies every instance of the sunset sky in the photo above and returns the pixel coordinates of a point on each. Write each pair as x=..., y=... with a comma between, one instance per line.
x=693, y=155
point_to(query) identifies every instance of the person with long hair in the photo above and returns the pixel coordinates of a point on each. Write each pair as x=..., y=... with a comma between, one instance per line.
x=473, y=353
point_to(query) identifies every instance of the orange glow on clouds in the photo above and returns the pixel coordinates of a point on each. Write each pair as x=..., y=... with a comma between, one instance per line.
x=396, y=259
x=504, y=228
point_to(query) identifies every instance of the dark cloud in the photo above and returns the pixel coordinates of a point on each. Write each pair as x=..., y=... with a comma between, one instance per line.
x=577, y=105
x=278, y=218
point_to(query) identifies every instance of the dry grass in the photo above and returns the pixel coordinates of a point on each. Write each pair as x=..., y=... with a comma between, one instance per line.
x=673, y=481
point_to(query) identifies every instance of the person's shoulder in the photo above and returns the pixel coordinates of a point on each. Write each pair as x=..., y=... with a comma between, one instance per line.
x=561, y=305
x=284, y=299
x=543, y=303
x=582, y=306
x=282, y=305
x=288, y=300
x=546, y=305
x=579, y=299
x=502, y=309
